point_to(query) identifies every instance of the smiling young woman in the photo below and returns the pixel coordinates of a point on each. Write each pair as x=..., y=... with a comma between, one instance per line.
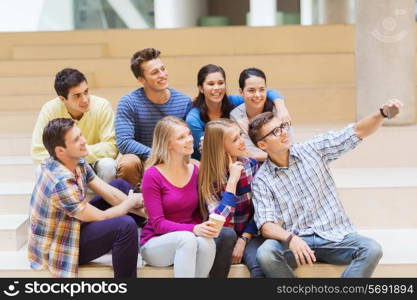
x=175, y=234
x=253, y=89
x=224, y=188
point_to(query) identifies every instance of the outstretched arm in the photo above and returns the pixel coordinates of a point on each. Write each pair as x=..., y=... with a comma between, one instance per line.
x=371, y=123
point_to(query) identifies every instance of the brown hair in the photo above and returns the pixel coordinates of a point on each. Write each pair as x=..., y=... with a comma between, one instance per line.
x=67, y=79
x=140, y=57
x=54, y=134
x=256, y=125
x=200, y=100
x=255, y=72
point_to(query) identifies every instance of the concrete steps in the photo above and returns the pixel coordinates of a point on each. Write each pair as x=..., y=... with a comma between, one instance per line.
x=12, y=143
x=30, y=84
x=15, y=263
x=15, y=197
x=58, y=51
x=13, y=232
x=26, y=84
x=229, y=40
x=20, y=168
x=18, y=122
x=317, y=68
x=379, y=197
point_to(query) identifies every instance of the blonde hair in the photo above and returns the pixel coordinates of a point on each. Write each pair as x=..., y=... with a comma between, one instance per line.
x=214, y=163
x=162, y=135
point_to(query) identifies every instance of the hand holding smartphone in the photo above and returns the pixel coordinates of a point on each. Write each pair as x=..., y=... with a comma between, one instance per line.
x=391, y=111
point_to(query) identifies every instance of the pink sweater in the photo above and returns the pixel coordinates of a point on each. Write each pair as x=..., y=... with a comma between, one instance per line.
x=169, y=208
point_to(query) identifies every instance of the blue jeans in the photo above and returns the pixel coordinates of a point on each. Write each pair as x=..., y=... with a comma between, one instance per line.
x=225, y=244
x=360, y=253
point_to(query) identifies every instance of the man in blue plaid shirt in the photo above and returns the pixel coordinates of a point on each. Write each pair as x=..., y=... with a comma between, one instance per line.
x=297, y=208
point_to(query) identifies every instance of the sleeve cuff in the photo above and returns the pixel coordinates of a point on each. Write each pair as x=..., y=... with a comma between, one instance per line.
x=229, y=199
x=251, y=228
x=351, y=131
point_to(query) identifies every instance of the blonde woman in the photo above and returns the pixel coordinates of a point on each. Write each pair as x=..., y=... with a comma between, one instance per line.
x=175, y=234
x=224, y=188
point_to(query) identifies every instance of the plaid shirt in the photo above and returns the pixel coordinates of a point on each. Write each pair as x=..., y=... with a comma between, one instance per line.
x=238, y=208
x=302, y=197
x=54, y=233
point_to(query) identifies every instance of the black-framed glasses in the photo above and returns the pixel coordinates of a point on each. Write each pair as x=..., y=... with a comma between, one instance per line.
x=277, y=131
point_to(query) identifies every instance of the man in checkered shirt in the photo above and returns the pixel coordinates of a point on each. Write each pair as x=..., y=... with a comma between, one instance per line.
x=66, y=230
x=297, y=208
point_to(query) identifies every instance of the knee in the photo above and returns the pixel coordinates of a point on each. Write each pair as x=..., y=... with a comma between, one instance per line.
x=267, y=254
x=106, y=163
x=227, y=237
x=373, y=250
x=130, y=162
x=130, y=168
x=206, y=245
x=186, y=239
x=106, y=169
x=127, y=225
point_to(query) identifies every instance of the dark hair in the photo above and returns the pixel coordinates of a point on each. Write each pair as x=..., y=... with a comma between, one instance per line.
x=200, y=101
x=245, y=74
x=140, y=57
x=54, y=134
x=256, y=125
x=67, y=79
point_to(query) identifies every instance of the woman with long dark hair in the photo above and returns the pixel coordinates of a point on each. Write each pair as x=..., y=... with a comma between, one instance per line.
x=252, y=88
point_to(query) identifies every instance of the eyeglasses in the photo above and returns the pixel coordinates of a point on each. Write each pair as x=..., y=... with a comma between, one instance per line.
x=277, y=131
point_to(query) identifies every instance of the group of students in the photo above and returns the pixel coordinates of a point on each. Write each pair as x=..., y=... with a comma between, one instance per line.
x=227, y=155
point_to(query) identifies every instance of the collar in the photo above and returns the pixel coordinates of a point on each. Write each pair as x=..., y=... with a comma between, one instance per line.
x=293, y=158
x=55, y=165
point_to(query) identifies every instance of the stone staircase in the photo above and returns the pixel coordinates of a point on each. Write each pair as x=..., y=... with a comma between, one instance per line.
x=377, y=182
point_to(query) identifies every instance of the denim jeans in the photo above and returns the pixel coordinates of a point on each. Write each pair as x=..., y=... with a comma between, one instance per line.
x=225, y=244
x=249, y=257
x=191, y=255
x=360, y=253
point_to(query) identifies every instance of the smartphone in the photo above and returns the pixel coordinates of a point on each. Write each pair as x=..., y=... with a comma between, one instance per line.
x=390, y=111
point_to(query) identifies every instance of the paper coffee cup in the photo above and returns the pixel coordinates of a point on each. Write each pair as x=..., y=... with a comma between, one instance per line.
x=218, y=220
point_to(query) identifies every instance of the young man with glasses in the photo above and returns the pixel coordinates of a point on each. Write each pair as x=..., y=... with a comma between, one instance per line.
x=297, y=208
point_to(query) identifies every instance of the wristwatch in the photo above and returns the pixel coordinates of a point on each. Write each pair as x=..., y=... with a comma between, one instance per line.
x=245, y=239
